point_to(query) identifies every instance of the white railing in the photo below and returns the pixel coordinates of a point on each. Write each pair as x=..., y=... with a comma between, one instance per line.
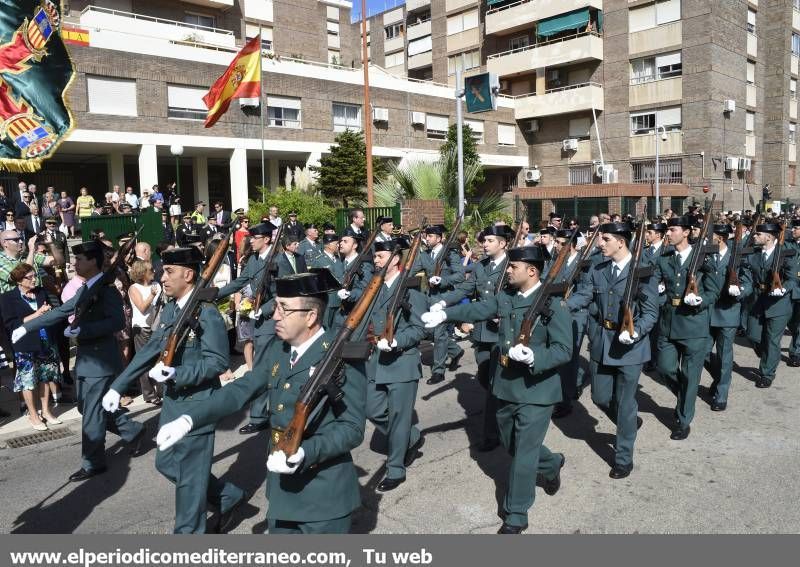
x=542, y=43
x=649, y=78
x=556, y=90
x=154, y=19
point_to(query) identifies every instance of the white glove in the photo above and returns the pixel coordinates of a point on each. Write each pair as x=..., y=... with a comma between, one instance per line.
x=661, y=288
x=343, y=294
x=734, y=291
x=434, y=280
x=111, y=401
x=172, y=432
x=384, y=345
x=693, y=300
x=255, y=315
x=778, y=292
x=521, y=353
x=277, y=462
x=433, y=318
x=438, y=306
x=161, y=373
x=626, y=338
x=18, y=333
x=71, y=333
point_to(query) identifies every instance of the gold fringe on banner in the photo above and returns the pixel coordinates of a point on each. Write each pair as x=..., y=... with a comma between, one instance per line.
x=21, y=165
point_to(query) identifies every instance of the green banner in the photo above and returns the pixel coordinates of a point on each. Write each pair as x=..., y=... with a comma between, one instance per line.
x=35, y=72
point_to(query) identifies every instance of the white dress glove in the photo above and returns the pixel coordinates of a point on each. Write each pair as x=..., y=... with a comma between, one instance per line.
x=71, y=333
x=734, y=291
x=161, y=373
x=18, y=333
x=521, y=353
x=255, y=315
x=778, y=292
x=172, y=432
x=277, y=462
x=626, y=338
x=661, y=288
x=434, y=280
x=384, y=345
x=111, y=401
x=693, y=300
x=438, y=306
x=433, y=318
x=343, y=294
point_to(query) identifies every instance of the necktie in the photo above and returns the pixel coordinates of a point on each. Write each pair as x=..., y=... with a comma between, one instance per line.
x=492, y=266
x=293, y=263
x=35, y=225
x=615, y=271
x=293, y=359
x=433, y=253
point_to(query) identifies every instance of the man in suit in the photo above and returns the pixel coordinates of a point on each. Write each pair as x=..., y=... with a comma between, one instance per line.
x=57, y=238
x=184, y=230
x=315, y=490
x=33, y=222
x=385, y=227
x=222, y=216
x=167, y=230
x=616, y=356
x=289, y=261
x=191, y=378
x=293, y=227
x=309, y=246
x=329, y=258
x=98, y=358
x=211, y=229
x=22, y=208
x=525, y=382
x=357, y=221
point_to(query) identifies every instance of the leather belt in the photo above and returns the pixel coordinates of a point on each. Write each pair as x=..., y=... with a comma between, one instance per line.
x=676, y=301
x=610, y=325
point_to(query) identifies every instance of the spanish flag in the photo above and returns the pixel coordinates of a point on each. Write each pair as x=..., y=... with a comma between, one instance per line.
x=240, y=80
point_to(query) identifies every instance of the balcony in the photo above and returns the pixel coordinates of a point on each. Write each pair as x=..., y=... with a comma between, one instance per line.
x=519, y=15
x=752, y=45
x=463, y=40
x=451, y=5
x=574, y=98
x=751, y=98
x=656, y=91
x=794, y=64
x=416, y=31
x=211, y=3
x=395, y=44
x=656, y=39
x=259, y=10
x=420, y=60
x=644, y=145
x=750, y=145
x=574, y=49
x=130, y=24
x=792, y=152
x=416, y=4
x=796, y=19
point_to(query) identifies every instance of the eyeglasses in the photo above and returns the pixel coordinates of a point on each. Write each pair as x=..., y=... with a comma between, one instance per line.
x=29, y=277
x=17, y=239
x=279, y=308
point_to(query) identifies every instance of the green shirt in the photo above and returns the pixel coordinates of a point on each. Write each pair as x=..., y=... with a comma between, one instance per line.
x=7, y=263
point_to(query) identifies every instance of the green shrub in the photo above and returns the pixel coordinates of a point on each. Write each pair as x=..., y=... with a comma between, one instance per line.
x=310, y=208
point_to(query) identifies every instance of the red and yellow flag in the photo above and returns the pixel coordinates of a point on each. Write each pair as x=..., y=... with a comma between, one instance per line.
x=240, y=80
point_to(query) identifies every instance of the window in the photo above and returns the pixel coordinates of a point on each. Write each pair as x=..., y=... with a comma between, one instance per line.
x=334, y=58
x=333, y=28
x=393, y=31
x=395, y=59
x=579, y=128
x=649, y=69
x=463, y=61
x=792, y=132
x=751, y=21
x=509, y=182
x=580, y=175
x=436, y=127
x=199, y=20
x=670, y=171
x=520, y=42
x=283, y=112
x=346, y=117
x=796, y=44
x=750, y=121
x=477, y=129
x=793, y=86
x=796, y=4
x=751, y=73
x=108, y=95
x=186, y=102
x=652, y=15
x=462, y=22
x=506, y=135
x=791, y=179
x=421, y=45
x=251, y=30
x=645, y=122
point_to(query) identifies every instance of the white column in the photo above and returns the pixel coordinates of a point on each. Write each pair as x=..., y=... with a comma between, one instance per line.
x=148, y=167
x=274, y=174
x=238, y=165
x=116, y=170
x=200, y=178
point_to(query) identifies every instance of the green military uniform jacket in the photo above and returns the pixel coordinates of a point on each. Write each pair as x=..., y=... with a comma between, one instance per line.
x=308, y=249
x=551, y=342
x=336, y=267
x=761, y=272
x=452, y=271
x=727, y=311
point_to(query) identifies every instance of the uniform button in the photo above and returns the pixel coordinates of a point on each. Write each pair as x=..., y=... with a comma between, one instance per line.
x=279, y=407
x=287, y=386
x=508, y=342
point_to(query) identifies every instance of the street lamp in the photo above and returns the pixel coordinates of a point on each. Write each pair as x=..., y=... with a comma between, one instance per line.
x=177, y=151
x=658, y=167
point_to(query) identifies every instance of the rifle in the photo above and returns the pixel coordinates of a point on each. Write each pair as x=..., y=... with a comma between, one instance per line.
x=266, y=278
x=350, y=276
x=582, y=261
x=89, y=297
x=751, y=235
x=202, y=291
x=326, y=374
x=732, y=277
x=698, y=253
x=398, y=294
x=631, y=284
x=501, y=281
x=778, y=256
x=437, y=270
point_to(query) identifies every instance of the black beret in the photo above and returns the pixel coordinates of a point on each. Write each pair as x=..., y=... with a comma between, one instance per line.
x=389, y=245
x=622, y=228
x=435, y=229
x=685, y=222
x=89, y=248
x=530, y=254
x=190, y=257
x=383, y=220
x=328, y=238
x=721, y=228
x=265, y=228
x=501, y=230
x=657, y=226
x=318, y=282
x=770, y=227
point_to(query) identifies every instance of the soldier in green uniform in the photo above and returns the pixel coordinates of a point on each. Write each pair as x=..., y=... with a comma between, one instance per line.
x=725, y=317
x=481, y=285
x=385, y=227
x=329, y=258
x=773, y=307
x=315, y=490
x=684, y=320
x=349, y=248
x=97, y=361
x=656, y=246
x=309, y=247
x=617, y=356
x=527, y=386
x=194, y=377
x=794, y=321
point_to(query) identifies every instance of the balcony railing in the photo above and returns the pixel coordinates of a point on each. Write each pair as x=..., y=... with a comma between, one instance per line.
x=542, y=43
x=559, y=89
x=143, y=17
x=655, y=77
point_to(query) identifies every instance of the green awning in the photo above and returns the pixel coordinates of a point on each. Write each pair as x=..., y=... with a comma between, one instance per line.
x=570, y=21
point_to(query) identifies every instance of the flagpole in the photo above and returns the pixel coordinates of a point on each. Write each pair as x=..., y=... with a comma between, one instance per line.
x=367, y=106
x=261, y=110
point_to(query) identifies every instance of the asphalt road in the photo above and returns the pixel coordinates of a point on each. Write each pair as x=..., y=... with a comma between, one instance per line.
x=736, y=473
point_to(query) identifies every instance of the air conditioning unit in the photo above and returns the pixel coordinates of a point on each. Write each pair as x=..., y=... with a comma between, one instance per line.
x=602, y=169
x=533, y=126
x=533, y=175
x=570, y=145
x=729, y=105
x=745, y=164
x=418, y=118
x=610, y=175
x=731, y=163
x=380, y=115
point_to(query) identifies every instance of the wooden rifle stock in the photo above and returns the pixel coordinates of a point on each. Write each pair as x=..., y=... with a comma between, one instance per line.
x=581, y=262
x=777, y=261
x=437, y=270
x=732, y=277
x=698, y=253
x=501, y=281
x=350, y=277
x=631, y=284
x=266, y=277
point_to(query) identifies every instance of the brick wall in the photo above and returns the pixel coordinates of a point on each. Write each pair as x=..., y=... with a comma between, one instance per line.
x=412, y=211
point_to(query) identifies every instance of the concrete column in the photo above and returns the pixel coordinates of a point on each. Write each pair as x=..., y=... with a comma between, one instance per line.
x=274, y=174
x=200, y=178
x=541, y=81
x=148, y=167
x=238, y=165
x=313, y=158
x=116, y=170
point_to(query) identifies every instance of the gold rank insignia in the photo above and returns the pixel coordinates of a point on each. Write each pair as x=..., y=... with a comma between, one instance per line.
x=275, y=369
x=192, y=334
x=325, y=345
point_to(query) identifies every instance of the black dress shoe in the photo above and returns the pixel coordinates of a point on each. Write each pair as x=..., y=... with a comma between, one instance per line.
x=413, y=452
x=763, y=383
x=226, y=520
x=388, y=484
x=435, y=379
x=794, y=361
x=618, y=471
x=253, y=428
x=83, y=474
x=488, y=445
x=552, y=485
x=513, y=530
x=562, y=410
x=719, y=406
x=681, y=433
x=454, y=361
x=137, y=448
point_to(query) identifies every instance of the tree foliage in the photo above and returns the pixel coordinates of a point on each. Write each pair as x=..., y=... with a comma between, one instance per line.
x=471, y=156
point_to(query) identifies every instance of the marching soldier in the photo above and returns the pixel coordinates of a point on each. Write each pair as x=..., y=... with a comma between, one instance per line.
x=329, y=258
x=655, y=242
x=684, y=320
x=349, y=247
x=315, y=490
x=773, y=307
x=310, y=247
x=527, y=386
x=794, y=321
x=616, y=357
x=385, y=227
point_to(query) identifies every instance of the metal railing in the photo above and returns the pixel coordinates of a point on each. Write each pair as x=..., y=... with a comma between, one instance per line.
x=649, y=78
x=559, y=89
x=543, y=43
x=507, y=6
x=670, y=171
x=154, y=19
